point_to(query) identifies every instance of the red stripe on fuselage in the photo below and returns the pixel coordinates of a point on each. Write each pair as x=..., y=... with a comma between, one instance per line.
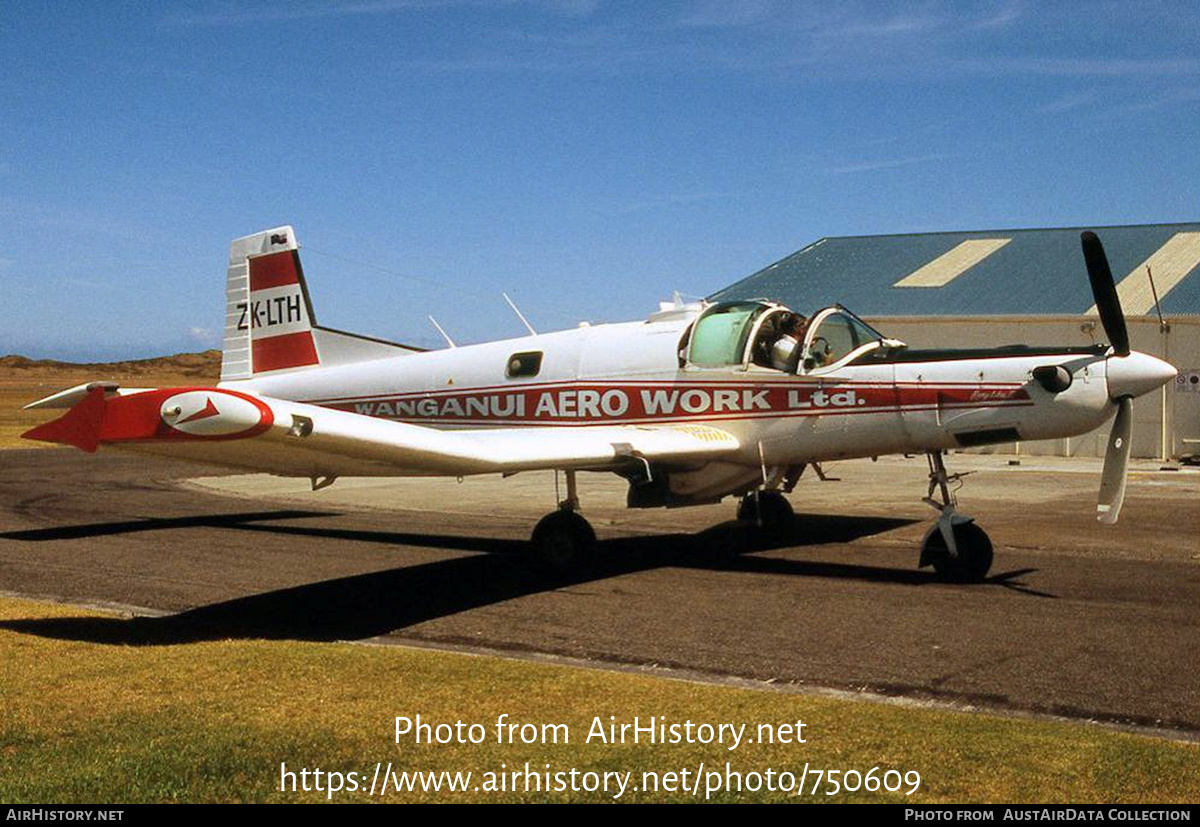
x=584, y=403
x=815, y=383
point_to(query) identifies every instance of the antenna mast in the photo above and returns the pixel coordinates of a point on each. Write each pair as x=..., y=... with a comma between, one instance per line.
x=520, y=315
x=445, y=335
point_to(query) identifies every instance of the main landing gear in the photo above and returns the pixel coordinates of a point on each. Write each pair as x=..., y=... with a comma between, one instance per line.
x=563, y=539
x=770, y=511
x=955, y=546
x=958, y=549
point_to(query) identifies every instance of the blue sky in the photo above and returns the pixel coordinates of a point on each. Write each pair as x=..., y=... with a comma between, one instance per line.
x=588, y=157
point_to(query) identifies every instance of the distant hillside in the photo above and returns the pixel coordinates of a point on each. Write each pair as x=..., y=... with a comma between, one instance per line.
x=23, y=380
x=206, y=364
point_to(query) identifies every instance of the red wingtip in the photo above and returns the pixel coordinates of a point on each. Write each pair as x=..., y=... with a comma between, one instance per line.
x=79, y=426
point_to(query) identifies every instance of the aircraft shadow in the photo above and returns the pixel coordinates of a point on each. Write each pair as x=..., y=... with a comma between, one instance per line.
x=79, y=532
x=376, y=603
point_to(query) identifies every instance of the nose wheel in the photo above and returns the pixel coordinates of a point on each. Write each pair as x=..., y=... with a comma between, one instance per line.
x=958, y=549
x=972, y=557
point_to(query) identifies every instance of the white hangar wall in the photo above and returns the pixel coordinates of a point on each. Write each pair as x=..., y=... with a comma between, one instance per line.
x=1166, y=424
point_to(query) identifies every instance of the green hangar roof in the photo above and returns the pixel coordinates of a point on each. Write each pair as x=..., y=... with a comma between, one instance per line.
x=986, y=273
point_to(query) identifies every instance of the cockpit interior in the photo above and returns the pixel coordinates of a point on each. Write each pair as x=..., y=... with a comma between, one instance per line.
x=763, y=335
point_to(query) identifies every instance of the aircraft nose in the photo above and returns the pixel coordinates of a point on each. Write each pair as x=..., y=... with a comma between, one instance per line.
x=1136, y=374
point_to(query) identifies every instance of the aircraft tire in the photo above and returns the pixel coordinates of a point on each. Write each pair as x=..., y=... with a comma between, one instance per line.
x=974, y=554
x=772, y=508
x=564, y=541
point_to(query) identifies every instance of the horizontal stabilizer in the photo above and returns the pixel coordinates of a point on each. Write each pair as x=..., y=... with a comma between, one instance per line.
x=73, y=396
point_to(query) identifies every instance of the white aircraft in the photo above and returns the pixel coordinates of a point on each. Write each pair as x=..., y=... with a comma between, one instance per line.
x=696, y=403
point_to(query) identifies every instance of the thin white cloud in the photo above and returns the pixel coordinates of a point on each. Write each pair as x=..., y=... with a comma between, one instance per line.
x=721, y=14
x=247, y=15
x=1065, y=103
x=84, y=284
x=571, y=8
x=1001, y=19
x=783, y=38
x=883, y=163
x=244, y=15
x=931, y=38
x=676, y=199
x=848, y=20
x=897, y=26
x=203, y=335
x=1175, y=97
x=1080, y=67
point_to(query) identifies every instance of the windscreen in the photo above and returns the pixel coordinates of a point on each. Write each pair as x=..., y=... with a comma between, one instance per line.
x=837, y=335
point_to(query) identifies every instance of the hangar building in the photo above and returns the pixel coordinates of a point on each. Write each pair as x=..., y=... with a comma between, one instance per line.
x=1000, y=287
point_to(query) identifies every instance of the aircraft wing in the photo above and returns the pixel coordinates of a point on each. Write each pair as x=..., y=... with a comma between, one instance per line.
x=240, y=430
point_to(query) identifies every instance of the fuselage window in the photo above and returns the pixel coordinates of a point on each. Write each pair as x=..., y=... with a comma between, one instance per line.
x=524, y=364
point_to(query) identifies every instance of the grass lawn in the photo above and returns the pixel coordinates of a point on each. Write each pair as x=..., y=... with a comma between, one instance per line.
x=86, y=722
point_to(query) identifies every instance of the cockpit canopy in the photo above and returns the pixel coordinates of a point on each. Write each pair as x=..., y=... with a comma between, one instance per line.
x=744, y=334
x=722, y=332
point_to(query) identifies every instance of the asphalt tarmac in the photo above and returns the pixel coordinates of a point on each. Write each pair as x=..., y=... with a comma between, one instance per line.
x=1076, y=619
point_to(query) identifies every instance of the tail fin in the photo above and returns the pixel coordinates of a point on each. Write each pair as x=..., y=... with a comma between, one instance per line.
x=269, y=320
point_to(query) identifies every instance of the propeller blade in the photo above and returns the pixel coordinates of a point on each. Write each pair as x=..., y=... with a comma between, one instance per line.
x=1104, y=291
x=1116, y=464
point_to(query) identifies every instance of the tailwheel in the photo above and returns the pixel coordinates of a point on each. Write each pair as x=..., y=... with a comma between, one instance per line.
x=972, y=557
x=564, y=540
x=770, y=511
